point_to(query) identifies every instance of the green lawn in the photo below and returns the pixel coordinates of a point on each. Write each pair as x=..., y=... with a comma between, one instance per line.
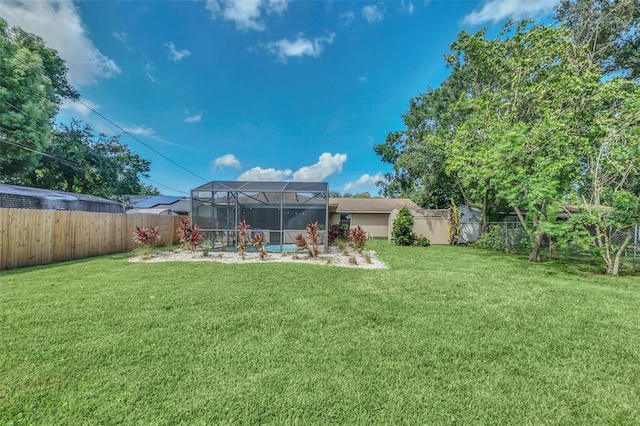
x=445, y=335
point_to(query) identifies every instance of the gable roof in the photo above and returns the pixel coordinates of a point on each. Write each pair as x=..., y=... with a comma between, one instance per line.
x=369, y=205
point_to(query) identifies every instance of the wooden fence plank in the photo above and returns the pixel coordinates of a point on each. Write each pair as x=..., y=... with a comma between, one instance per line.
x=35, y=237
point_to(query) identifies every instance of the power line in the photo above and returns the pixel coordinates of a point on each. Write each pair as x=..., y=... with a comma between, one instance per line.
x=137, y=139
x=73, y=164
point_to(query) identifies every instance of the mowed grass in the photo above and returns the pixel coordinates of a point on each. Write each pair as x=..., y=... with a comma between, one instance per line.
x=446, y=335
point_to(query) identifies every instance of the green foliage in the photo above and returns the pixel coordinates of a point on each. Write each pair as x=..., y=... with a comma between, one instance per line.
x=32, y=86
x=439, y=327
x=609, y=30
x=453, y=224
x=97, y=165
x=493, y=239
x=422, y=241
x=402, y=232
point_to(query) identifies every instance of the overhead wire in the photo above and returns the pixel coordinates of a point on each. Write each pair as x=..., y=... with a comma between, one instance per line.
x=137, y=139
x=124, y=131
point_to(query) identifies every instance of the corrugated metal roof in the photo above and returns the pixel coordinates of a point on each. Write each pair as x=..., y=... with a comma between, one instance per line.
x=370, y=205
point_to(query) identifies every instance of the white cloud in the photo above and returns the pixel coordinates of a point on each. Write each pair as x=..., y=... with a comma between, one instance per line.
x=140, y=130
x=497, y=10
x=365, y=181
x=362, y=79
x=177, y=55
x=247, y=14
x=60, y=26
x=228, y=160
x=347, y=18
x=406, y=7
x=326, y=166
x=299, y=47
x=76, y=109
x=258, y=173
x=372, y=14
x=193, y=118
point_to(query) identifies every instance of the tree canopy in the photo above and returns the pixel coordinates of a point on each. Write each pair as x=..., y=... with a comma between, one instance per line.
x=33, y=150
x=529, y=121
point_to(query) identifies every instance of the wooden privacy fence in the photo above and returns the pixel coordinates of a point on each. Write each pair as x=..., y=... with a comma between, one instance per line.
x=38, y=237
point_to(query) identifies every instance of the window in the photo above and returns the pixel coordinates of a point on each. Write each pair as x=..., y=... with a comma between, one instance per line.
x=345, y=219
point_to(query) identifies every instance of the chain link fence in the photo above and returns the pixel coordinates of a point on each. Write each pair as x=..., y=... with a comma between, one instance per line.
x=511, y=237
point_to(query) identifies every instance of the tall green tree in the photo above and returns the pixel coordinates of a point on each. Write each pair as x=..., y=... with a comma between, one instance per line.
x=32, y=85
x=79, y=160
x=609, y=30
x=417, y=154
x=519, y=138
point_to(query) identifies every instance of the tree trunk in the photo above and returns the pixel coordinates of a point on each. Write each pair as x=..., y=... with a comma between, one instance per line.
x=623, y=246
x=534, y=254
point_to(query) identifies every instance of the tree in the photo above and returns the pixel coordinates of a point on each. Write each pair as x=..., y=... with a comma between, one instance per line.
x=32, y=86
x=78, y=160
x=610, y=203
x=416, y=152
x=519, y=139
x=608, y=29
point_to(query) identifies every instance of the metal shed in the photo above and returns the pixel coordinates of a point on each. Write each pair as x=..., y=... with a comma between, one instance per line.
x=279, y=210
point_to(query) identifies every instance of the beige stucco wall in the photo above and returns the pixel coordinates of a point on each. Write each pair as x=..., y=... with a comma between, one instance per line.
x=375, y=223
x=434, y=228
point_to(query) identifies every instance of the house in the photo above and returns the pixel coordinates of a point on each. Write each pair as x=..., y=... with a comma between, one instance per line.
x=25, y=197
x=178, y=205
x=371, y=214
x=160, y=212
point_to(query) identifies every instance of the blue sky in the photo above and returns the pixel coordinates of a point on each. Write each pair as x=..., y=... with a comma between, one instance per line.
x=256, y=89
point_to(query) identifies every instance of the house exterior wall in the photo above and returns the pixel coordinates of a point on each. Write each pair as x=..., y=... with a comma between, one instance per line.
x=432, y=227
x=377, y=224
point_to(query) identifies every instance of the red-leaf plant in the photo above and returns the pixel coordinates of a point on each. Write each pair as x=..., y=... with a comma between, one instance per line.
x=189, y=234
x=311, y=242
x=147, y=237
x=358, y=237
x=258, y=242
x=243, y=237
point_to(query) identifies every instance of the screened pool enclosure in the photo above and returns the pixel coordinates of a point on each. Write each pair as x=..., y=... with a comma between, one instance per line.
x=279, y=210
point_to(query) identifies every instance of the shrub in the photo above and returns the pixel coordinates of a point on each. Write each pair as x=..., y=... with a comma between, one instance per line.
x=358, y=237
x=402, y=232
x=493, y=239
x=338, y=232
x=422, y=241
x=258, y=242
x=311, y=242
x=147, y=237
x=243, y=237
x=189, y=234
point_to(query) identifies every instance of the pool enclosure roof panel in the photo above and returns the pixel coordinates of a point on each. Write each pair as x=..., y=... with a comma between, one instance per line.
x=259, y=186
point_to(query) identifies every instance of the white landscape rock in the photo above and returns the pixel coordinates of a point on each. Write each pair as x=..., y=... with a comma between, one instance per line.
x=333, y=258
